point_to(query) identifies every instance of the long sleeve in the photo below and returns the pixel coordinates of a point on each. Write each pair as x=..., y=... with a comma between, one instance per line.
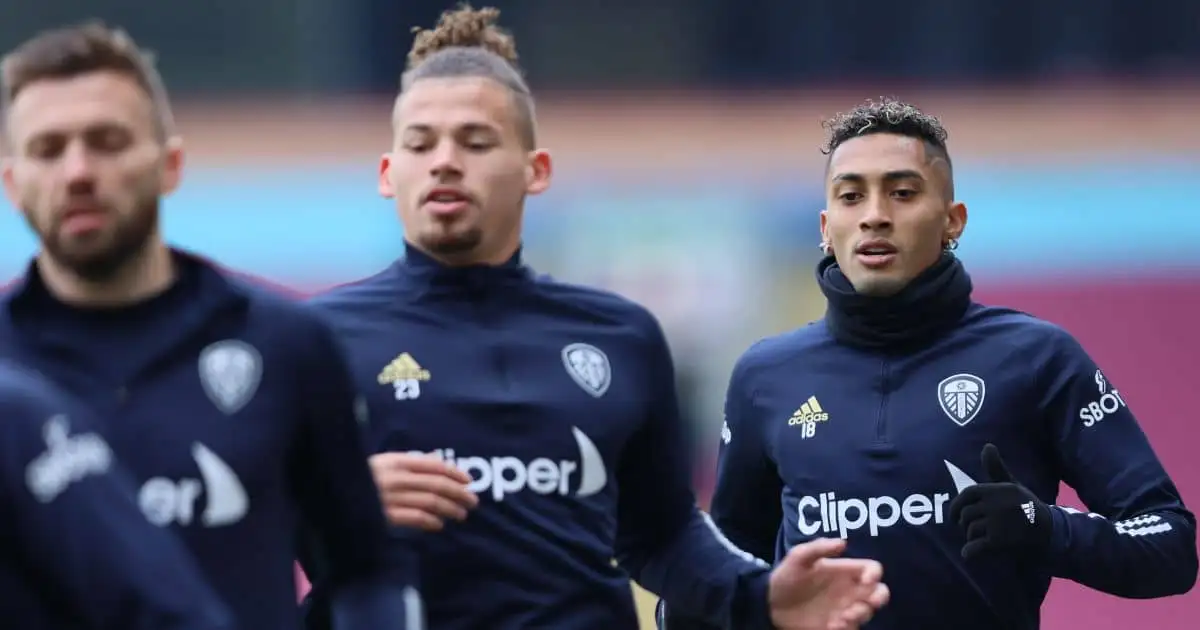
x=1140, y=540
x=746, y=505
x=76, y=523
x=663, y=540
x=369, y=581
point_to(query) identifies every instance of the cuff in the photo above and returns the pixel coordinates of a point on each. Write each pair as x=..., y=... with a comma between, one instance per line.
x=1060, y=539
x=754, y=611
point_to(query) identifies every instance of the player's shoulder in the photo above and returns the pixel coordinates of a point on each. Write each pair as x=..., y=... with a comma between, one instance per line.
x=23, y=391
x=1010, y=327
x=29, y=401
x=282, y=321
x=775, y=351
x=48, y=440
x=270, y=306
x=357, y=296
x=279, y=310
x=601, y=306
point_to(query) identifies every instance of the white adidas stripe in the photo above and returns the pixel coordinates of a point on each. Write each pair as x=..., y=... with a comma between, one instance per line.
x=728, y=544
x=1143, y=525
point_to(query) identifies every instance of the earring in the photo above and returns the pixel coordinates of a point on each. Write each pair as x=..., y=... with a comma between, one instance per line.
x=951, y=245
x=824, y=247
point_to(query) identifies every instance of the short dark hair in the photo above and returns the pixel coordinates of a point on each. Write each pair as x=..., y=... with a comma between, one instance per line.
x=466, y=42
x=73, y=51
x=888, y=115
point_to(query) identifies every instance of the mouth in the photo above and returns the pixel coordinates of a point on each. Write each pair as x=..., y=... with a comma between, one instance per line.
x=83, y=217
x=446, y=201
x=876, y=253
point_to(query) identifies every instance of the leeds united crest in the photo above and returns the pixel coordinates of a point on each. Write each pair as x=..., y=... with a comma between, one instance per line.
x=589, y=367
x=961, y=397
x=230, y=372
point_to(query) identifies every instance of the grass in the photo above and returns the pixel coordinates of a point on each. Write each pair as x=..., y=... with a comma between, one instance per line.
x=645, y=605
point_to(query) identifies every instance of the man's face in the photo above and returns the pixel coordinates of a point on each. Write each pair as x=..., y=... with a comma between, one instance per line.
x=87, y=169
x=887, y=215
x=458, y=170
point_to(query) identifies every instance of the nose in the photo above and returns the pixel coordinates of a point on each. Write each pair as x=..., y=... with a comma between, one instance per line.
x=447, y=162
x=78, y=166
x=877, y=217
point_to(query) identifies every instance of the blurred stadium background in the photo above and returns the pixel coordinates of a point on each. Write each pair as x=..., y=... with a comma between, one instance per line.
x=686, y=133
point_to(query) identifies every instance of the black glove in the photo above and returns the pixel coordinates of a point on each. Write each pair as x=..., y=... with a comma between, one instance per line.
x=1001, y=514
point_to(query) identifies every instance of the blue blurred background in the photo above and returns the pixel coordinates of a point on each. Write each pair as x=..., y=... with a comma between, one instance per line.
x=689, y=177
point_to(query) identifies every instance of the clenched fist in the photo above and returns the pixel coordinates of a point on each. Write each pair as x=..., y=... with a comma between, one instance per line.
x=421, y=491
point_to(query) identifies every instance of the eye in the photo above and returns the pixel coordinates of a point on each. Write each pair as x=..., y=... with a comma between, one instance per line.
x=46, y=147
x=904, y=194
x=109, y=139
x=850, y=196
x=417, y=142
x=478, y=145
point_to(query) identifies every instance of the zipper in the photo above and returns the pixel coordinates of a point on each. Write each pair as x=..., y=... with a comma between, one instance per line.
x=884, y=392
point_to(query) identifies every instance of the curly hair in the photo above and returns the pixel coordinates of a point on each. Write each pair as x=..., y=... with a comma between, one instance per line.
x=85, y=48
x=467, y=42
x=464, y=28
x=888, y=115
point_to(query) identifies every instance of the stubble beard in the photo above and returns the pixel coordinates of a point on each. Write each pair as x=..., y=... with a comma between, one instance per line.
x=100, y=262
x=452, y=244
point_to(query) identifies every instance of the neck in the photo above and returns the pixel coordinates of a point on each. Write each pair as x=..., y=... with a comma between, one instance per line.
x=145, y=275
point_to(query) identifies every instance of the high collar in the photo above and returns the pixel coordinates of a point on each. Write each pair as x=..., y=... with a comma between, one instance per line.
x=429, y=273
x=195, y=275
x=927, y=308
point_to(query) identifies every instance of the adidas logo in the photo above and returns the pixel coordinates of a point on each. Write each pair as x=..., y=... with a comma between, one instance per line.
x=1030, y=513
x=810, y=411
x=402, y=368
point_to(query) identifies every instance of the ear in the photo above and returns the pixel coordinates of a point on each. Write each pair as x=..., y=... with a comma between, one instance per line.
x=956, y=220
x=172, y=165
x=10, y=182
x=539, y=171
x=824, y=226
x=385, y=182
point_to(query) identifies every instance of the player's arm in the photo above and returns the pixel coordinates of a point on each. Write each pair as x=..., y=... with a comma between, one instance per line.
x=666, y=543
x=746, y=504
x=369, y=580
x=80, y=531
x=1140, y=540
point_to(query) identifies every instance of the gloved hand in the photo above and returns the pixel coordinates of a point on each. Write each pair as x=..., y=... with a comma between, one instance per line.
x=1001, y=514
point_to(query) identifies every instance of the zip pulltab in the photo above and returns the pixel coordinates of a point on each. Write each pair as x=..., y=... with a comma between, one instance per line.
x=885, y=392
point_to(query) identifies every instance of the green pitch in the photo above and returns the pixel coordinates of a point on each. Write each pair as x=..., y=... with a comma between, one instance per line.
x=645, y=605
